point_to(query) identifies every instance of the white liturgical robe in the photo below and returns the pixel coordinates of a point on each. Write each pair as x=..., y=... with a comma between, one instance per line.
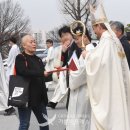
x=3, y=87
x=14, y=51
x=50, y=59
x=79, y=109
x=60, y=88
x=109, y=85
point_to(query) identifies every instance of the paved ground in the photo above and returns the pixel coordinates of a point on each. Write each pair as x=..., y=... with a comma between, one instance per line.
x=56, y=118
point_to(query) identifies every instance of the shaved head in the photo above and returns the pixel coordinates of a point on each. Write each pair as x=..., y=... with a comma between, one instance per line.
x=25, y=39
x=29, y=44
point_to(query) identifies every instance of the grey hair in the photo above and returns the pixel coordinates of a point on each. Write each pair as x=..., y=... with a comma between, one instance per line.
x=24, y=38
x=118, y=26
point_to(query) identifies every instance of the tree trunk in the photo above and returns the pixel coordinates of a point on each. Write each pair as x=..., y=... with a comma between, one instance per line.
x=78, y=10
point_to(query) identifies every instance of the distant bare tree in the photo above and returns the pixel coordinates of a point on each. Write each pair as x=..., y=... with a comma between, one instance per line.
x=77, y=9
x=12, y=20
x=53, y=34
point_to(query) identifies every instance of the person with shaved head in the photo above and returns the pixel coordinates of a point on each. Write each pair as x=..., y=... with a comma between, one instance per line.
x=30, y=66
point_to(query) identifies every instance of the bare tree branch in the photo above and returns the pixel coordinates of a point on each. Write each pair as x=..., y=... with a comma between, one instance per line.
x=53, y=34
x=84, y=6
x=12, y=20
x=77, y=9
x=12, y=23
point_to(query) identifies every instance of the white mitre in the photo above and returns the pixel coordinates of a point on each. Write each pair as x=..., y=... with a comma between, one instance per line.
x=98, y=14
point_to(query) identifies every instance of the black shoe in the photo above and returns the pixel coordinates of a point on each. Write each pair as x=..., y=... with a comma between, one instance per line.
x=9, y=111
x=52, y=105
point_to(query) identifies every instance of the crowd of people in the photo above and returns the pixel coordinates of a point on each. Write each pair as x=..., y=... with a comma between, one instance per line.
x=95, y=80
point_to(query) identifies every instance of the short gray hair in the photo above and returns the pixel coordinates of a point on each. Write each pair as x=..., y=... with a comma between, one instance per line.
x=118, y=26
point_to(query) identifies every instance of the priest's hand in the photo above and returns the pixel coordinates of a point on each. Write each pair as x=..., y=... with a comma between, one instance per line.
x=46, y=73
x=84, y=53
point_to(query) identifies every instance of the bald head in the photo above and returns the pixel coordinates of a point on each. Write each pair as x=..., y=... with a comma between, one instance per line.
x=25, y=39
x=28, y=43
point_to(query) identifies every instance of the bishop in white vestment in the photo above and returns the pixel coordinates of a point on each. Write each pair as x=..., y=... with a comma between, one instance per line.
x=108, y=79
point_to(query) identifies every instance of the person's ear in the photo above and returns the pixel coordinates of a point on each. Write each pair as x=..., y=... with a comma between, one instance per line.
x=23, y=45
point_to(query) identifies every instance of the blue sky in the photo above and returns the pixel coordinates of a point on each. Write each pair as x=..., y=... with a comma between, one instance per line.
x=46, y=14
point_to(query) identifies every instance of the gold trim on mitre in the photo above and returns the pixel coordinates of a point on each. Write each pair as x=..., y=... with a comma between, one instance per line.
x=103, y=20
x=98, y=14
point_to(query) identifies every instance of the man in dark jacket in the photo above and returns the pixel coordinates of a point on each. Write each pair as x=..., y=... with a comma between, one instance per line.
x=118, y=28
x=128, y=36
